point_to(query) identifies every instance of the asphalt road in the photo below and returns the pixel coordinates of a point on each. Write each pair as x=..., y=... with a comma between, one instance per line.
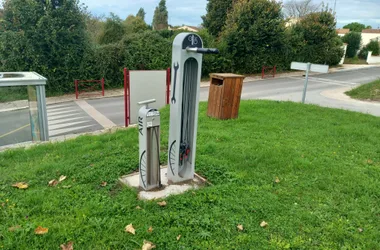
x=324, y=90
x=63, y=119
x=17, y=121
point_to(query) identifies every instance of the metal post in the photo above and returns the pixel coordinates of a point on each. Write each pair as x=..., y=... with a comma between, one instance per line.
x=125, y=97
x=306, y=82
x=127, y=104
x=42, y=113
x=103, y=86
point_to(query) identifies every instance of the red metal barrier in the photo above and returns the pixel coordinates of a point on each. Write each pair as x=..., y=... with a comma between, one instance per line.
x=270, y=71
x=168, y=79
x=127, y=99
x=91, y=88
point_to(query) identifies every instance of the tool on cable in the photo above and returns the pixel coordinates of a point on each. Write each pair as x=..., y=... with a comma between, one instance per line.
x=187, y=57
x=175, y=81
x=149, y=146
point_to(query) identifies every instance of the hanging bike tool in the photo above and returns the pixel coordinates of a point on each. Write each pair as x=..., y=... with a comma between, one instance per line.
x=187, y=62
x=149, y=144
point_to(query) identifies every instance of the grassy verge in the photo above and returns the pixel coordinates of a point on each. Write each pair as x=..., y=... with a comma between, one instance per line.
x=9, y=94
x=326, y=196
x=369, y=91
x=354, y=60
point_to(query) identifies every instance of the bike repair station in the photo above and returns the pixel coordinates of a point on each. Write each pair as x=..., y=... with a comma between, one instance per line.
x=179, y=176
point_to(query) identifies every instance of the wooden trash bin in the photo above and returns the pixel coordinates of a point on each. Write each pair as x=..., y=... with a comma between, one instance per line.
x=224, y=95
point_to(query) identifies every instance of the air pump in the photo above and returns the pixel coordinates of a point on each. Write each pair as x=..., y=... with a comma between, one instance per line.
x=184, y=104
x=149, y=145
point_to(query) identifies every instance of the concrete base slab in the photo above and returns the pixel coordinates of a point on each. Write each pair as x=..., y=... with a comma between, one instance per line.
x=133, y=180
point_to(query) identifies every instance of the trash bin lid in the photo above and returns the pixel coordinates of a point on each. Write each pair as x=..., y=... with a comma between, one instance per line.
x=225, y=75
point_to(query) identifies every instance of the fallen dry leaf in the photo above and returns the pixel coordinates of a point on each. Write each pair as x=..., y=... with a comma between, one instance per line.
x=150, y=229
x=369, y=161
x=69, y=246
x=162, y=203
x=41, y=230
x=277, y=180
x=103, y=184
x=130, y=229
x=62, y=178
x=148, y=245
x=138, y=207
x=53, y=183
x=360, y=230
x=20, y=185
x=14, y=228
x=178, y=237
x=240, y=227
x=263, y=224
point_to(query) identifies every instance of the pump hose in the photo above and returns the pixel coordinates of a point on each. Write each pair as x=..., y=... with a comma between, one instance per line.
x=188, y=109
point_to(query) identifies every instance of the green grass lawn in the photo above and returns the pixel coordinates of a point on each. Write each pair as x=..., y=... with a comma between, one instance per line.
x=8, y=94
x=354, y=60
x=369, y=91
x=327, y=195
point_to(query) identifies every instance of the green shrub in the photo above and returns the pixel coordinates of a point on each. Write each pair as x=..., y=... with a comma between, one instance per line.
x=38, y=36
x=113, y=30
x=374, y=47
x=109, y=64
x=146, y=51
x=363, y=54
x=214, y=63
x=254, y=35
x=314, y=39
x=353, y=39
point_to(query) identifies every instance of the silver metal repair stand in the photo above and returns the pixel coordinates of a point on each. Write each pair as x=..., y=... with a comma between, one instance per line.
x=149, y=144
x=184, y=103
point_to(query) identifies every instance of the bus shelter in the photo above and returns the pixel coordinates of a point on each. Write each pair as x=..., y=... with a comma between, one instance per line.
x=37, y=99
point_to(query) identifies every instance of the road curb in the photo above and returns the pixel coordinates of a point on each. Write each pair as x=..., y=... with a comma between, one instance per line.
x=62, y=138
x=355, y=69
x=339, y=95
x=13, y=109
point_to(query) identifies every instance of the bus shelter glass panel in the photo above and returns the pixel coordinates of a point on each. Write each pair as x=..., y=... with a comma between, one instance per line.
x=37, y=100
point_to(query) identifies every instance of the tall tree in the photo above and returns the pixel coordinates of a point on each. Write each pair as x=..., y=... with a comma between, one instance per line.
x=160, y=17
x=141, y=13
x=94, y=26
x=134, y=24
x=314, y=39
x=254, y=34
x=300, y=8
x=353, y=39
x=356, y=27
x=113, y=30
x=216, y=16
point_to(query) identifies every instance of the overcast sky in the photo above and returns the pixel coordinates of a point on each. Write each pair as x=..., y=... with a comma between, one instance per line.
x=190, y=11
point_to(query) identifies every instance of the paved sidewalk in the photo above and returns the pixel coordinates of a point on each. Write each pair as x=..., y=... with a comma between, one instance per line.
x=16, y=105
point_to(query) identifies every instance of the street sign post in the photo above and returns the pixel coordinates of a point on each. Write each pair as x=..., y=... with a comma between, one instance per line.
x=309, y=67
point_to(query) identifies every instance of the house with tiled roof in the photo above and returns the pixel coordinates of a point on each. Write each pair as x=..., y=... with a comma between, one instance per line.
x=342, y=32
x=185, y=27
x=369, y=35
